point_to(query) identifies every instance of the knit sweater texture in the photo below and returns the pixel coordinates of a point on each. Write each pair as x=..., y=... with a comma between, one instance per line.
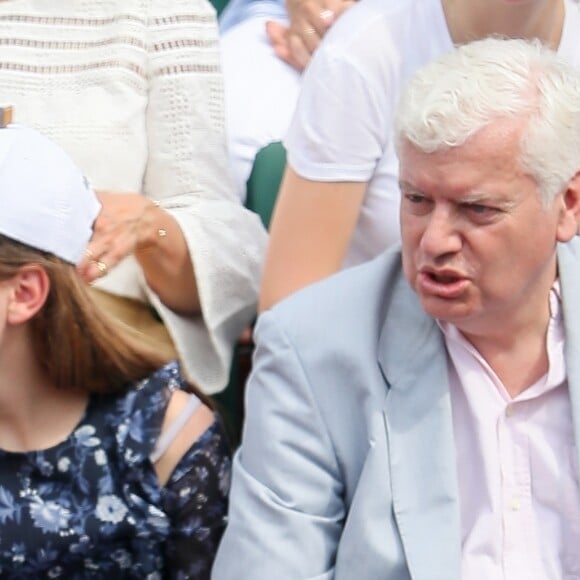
x=132, y=89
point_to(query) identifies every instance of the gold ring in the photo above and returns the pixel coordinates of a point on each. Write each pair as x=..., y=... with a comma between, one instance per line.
x=327, y=15
x=102, y=267
x=89, y=253
x=309, y=31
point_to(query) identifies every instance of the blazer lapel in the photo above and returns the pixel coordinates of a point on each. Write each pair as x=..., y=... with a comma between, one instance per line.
x=569, y=275
x=419, y=424
x=421, y=448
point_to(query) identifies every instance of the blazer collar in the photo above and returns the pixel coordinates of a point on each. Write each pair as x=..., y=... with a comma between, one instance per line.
x=419, y=425
x=569, y=274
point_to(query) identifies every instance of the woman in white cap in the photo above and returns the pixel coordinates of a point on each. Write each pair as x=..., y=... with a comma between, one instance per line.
x=132, y=90
x=111, y=464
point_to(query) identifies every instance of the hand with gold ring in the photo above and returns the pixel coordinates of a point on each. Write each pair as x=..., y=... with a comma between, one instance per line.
x=309, y=22
x=130, y=225
x=102, y=267
x=127, y=223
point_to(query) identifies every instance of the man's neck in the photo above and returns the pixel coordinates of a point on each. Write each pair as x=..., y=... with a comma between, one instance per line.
x=475, y=19
x=518, y=363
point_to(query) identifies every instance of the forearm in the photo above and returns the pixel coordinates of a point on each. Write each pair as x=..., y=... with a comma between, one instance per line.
x=186, y=144
x=310, y=234
x=167, y=265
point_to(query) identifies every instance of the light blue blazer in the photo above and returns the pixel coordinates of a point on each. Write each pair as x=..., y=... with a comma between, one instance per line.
x=347, y=468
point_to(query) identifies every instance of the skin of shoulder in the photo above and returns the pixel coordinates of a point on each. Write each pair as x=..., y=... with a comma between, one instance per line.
x=196, y=425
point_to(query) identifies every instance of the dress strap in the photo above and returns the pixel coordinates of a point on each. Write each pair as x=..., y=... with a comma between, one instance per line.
x=167, y=437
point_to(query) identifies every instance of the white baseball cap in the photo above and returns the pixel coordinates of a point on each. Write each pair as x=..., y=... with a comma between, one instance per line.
x=45, y=201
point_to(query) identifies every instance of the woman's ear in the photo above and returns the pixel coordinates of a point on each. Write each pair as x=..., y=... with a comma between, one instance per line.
x=30, y=288
x=569, y=224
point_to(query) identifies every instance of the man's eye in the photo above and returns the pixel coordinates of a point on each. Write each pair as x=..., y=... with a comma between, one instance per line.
x=415, y=198
x=480, y=209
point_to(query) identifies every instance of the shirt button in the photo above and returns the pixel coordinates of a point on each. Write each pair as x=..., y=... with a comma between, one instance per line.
x=515, y=504
x=510, y=410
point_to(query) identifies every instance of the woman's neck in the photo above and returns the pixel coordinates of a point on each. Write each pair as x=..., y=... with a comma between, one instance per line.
x=469, y=20
x=34, y=414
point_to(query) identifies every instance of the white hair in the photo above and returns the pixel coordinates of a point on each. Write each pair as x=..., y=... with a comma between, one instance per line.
x=451, y=99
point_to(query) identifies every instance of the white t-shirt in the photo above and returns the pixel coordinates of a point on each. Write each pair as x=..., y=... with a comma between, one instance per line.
x=260, y=94
x=342, y=127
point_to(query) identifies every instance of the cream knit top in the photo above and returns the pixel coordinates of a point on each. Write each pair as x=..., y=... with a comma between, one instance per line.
x=132, y=89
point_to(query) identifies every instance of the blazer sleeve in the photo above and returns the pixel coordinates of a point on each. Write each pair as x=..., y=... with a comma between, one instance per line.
x=286, y=509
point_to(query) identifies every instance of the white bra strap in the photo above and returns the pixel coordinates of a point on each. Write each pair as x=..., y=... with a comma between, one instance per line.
x=167, y=437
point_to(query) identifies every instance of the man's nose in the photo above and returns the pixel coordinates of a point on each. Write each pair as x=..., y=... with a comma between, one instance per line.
x=441, y=235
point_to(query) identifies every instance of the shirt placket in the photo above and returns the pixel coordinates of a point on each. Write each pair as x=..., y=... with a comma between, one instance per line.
x=519, y=550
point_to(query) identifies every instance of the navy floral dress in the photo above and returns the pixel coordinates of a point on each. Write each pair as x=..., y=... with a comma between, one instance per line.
x=91, y=507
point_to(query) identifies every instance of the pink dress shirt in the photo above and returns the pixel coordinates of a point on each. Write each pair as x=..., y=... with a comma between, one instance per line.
x=517, y=472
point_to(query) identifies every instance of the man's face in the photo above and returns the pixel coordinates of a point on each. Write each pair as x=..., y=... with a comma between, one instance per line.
x=478, y=246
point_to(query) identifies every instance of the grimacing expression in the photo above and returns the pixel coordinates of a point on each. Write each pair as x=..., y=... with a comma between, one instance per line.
x=479, y=248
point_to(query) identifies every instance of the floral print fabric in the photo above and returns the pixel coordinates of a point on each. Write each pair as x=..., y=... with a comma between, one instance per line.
x=91, y=507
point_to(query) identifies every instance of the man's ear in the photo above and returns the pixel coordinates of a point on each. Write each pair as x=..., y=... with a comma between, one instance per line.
x=30, y=289
x=569, y=219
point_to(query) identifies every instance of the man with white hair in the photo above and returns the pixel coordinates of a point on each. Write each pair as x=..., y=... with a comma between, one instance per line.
x=418, y=416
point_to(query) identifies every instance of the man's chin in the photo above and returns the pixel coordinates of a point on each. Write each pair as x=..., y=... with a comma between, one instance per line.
x=452, y=311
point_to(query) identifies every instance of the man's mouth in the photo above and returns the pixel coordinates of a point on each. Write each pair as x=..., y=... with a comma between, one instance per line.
x=444, y=278
x=446, y=284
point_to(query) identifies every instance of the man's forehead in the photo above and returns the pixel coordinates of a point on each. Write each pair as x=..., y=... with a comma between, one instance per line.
x=501, y=132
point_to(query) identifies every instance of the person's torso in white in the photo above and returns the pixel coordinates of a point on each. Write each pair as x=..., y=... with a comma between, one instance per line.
x=82, y=75
x=260, y=94
x=342, y=129
x=516, y=465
